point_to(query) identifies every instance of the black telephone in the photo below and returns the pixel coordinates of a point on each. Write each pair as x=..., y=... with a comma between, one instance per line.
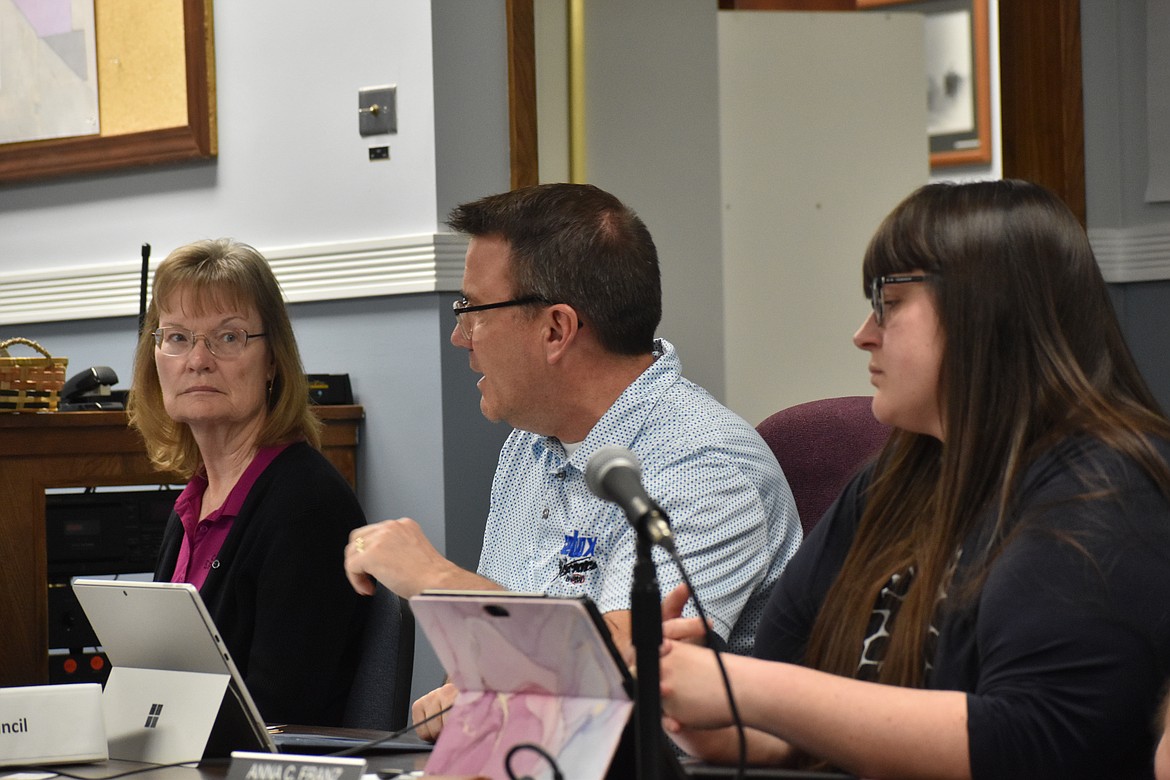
x=90, y=390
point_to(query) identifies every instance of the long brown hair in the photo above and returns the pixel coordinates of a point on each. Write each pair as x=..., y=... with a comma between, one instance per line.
x=225, y=274
x=1033, y=354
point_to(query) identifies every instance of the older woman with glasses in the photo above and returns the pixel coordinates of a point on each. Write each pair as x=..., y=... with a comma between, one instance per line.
x=220, y=397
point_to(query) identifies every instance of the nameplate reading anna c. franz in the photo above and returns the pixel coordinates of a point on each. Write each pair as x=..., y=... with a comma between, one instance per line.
x=267, y=766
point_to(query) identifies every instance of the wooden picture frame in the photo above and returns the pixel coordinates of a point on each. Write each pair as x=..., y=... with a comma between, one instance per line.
x=194, y=139
x=959, y=92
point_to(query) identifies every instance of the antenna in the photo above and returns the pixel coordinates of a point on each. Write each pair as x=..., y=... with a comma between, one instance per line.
x=142, y=288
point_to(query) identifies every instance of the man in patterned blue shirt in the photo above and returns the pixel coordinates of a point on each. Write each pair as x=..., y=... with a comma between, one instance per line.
x=561, y=299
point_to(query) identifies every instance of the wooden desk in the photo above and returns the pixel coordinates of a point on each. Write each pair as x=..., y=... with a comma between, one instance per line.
x=81, y=449
x=218, y=769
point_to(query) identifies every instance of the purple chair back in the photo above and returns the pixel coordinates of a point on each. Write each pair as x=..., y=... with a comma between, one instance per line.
x=821, y=445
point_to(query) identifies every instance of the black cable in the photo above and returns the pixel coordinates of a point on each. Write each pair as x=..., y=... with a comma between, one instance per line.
x=393, y=735
x=203, y=762
x=148, y=768
x=713, y=641
x=557, y=775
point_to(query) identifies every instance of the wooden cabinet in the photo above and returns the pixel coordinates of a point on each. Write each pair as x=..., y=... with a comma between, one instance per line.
x=81, y=449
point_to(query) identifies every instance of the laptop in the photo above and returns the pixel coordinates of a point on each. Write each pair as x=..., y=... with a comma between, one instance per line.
x=174, y=693
x=540, y=670
x=530, y=670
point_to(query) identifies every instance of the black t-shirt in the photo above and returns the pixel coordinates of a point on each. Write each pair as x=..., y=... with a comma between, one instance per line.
x=1064, y=652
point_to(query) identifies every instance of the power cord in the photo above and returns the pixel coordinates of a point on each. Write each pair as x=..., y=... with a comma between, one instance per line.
x=393, y=735
x=713, y=642
x=212, y=761
x=557, y=775
x=127, y=773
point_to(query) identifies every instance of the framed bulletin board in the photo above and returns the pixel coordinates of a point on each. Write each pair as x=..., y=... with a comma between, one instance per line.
x=156, y=94
x=958, y=77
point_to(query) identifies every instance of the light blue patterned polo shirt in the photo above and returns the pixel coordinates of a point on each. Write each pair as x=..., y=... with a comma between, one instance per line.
x=731, y=511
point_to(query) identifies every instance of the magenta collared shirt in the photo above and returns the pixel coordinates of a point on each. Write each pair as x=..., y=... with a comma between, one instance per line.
x=202, y=541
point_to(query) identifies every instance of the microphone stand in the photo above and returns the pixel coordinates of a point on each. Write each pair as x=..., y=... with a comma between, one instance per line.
x=646, y=627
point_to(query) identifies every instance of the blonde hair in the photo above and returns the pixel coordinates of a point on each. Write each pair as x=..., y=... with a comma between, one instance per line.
x=220, y=274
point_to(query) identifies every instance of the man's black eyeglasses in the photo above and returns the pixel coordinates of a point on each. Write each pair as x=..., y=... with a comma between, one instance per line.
x=461, y=307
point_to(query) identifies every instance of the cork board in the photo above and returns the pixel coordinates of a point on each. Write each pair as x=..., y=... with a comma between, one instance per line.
x=156, y=94
x=142, y=67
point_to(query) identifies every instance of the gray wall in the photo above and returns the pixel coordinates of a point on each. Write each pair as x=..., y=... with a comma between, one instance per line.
x=652, y=137
x=1116, y=164
x=293, y=171
x=804, y=186
x=1144, y=311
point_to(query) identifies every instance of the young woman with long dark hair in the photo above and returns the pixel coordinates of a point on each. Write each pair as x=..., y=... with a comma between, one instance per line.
x=991, y=597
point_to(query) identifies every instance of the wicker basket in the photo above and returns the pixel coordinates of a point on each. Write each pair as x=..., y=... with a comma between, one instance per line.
x=30, y=384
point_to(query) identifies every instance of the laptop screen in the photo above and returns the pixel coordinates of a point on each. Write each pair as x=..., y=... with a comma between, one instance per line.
x=159, y=638
x=531, y=671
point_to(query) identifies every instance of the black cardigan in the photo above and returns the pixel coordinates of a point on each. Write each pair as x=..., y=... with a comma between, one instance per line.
x=279, y=594
x=1064, y=652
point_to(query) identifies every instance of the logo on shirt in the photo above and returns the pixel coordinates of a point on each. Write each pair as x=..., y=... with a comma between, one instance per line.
x=577, y=558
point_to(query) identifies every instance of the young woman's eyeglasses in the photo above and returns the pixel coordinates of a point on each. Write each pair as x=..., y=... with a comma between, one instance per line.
x=878, y=285
x=223, y=343
x=461, y=307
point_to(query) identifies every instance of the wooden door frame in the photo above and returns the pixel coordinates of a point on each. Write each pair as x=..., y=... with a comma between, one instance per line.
x=1042, y=117
x=1041, y=101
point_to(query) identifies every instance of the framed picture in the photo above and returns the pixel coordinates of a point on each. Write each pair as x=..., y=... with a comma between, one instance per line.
x=958, y=77
x=156, y=91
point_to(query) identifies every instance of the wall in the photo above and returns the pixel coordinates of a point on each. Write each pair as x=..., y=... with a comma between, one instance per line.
x=293, y=178
x=292, y=168
x=1116, y=147
x=1130, y=236
x=823, y=131
x=651, y=137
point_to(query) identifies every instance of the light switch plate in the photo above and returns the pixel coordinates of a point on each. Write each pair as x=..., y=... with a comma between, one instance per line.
x=377, y=110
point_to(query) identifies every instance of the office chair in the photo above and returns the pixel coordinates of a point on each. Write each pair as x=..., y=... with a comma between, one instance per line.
x=380, y=696
x=820, y=445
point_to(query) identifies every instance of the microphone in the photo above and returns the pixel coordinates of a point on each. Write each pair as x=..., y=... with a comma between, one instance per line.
x=614, y=474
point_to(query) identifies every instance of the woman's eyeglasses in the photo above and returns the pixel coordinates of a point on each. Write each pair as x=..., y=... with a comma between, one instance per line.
x=878, y=285
x=223, y=343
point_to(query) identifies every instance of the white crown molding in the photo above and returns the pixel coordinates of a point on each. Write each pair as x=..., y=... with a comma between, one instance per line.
x=400, y=265
x=1132, y=254
x=317, y=272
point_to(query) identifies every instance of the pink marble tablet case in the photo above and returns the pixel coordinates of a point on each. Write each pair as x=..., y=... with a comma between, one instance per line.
x=531, y=670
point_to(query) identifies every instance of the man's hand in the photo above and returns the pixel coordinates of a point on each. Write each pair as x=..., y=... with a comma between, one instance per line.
x=430, y=705
x=398, y=554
